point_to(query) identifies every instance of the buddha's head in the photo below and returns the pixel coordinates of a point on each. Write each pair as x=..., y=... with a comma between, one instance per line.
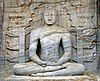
x=50, y=16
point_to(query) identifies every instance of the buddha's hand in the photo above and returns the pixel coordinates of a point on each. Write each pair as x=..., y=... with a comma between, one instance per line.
x=65, y=65
x=43, y=63
x=53, y=64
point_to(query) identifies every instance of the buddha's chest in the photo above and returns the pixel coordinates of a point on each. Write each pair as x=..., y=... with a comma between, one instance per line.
x=50, y=39
x=50, y=47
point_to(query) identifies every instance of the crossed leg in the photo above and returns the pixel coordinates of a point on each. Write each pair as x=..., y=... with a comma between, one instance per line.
x=37, y=70
x=67, y=69
x=32, y=68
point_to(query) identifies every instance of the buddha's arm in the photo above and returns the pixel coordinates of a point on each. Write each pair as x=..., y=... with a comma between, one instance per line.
x=67, y=50
x=33, y=56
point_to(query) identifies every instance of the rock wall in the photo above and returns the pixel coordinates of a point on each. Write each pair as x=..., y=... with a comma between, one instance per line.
x=78, y=16
x=1, y=33
x=98, y=34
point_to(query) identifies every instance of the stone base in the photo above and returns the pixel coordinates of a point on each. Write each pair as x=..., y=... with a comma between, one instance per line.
x=54, y=78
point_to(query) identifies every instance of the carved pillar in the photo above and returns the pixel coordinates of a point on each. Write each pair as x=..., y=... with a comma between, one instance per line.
x=22, y=46
x=79, y=46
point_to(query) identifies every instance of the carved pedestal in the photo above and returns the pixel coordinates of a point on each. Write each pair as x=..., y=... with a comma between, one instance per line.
x=58, y=78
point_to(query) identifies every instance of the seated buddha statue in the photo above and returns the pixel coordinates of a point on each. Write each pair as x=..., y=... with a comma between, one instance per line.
x=49, y=51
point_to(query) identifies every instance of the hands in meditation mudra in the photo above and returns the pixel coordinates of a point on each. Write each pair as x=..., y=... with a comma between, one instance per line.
x=44, y=51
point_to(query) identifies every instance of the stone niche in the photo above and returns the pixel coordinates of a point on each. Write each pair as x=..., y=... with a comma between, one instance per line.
x=78, y=16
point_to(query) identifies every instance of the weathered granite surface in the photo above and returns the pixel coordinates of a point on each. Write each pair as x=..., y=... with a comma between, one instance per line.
x=1, y=33
x=26, y=11
x=75, y=14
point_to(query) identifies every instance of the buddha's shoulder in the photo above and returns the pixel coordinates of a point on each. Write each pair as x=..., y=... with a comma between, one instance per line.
x=49, y=29
x=53, y=27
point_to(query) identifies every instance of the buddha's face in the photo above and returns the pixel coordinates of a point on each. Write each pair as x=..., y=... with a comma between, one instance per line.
x=50, y=17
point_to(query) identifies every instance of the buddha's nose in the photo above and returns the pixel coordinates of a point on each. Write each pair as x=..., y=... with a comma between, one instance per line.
x=49, y=19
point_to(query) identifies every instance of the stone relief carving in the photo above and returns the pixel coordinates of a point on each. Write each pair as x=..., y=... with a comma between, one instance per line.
x=45, y=53
x=76, y=15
